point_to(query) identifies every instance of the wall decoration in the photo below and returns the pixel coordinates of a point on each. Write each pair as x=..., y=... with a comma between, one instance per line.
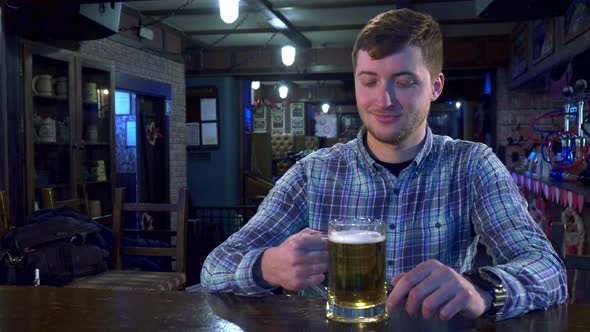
x=576, y=19
x=519, y=56
x=202, y=117
x=277, y=116
x=297, y=118
x=259, y=119
x=543, y=38
x=326, y=124
x=208, y=109
x=209, y=133
x=193, y=135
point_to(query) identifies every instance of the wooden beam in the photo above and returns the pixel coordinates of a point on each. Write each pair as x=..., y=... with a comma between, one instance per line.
x=292, y=33
x=318, y=28
x=298, y=5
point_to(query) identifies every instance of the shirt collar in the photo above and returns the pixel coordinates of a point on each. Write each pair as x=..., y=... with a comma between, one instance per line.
x=369, y=161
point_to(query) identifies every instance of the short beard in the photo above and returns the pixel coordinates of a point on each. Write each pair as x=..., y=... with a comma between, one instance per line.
x=403, y=135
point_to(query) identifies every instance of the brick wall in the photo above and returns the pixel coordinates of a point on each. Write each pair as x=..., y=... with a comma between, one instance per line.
x=142, y=64
x=515, y=110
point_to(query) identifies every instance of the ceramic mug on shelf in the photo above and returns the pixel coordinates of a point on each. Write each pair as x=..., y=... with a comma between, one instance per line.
x=89, y=93
x=46, y=132
x=43, y=85
x=61, y=86
x=92, y=133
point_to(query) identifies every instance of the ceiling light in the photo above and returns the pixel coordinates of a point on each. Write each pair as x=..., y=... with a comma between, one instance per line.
x=255, y=85
x=458, y=105
x=277, y=23
x=325, y=107
x=229, y=10
x=288, y=55
x=283, y=91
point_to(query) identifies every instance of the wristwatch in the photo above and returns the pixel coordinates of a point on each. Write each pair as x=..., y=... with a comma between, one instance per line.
x=491, y=283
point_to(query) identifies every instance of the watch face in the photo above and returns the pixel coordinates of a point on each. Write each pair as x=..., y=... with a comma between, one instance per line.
x=490, y=277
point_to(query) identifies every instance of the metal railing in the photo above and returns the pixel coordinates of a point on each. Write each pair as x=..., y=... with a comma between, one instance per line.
x=208, y=227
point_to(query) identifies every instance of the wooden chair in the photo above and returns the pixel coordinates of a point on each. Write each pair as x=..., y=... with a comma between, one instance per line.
x=4, y=213
x=144, y=280
x=571, y=262
x=79, y=203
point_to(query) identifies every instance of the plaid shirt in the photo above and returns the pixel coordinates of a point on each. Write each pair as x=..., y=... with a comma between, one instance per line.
x=454, y=194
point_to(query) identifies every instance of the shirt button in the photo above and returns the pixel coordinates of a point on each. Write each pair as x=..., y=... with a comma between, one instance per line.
x=437, y=225
x=396, y=191
x=390, y=262
x=391, y=226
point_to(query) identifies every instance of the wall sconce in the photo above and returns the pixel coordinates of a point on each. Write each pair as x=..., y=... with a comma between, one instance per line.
x=229, y=10
x=288, y=55
x=255, y=85
x=283, y=91
x=325, y=107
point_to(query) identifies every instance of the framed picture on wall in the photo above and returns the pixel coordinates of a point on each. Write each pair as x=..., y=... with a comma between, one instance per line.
x=193, y=134
x=543, y=38
x=519, y=48
x=576, y=19
x=277, y=116
x=259, y=119
x=202, y=117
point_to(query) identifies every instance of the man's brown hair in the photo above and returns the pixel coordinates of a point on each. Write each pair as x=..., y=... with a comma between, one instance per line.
x=389, y=32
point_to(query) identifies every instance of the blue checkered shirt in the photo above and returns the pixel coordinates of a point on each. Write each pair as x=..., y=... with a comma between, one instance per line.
x=454, y=194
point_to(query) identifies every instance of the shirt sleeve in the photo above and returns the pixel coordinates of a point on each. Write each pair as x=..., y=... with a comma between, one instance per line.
x=524, y=259
x=231, y=266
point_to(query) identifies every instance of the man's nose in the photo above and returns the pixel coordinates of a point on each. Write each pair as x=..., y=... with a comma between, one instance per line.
x=386, y=96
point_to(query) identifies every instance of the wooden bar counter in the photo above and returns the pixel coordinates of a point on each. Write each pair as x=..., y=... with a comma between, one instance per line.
x=75, y=309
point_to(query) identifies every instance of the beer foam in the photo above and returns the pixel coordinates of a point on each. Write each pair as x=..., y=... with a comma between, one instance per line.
x=356, y=237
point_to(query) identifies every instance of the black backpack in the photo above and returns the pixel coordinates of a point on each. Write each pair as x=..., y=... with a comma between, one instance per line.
x=57, y=246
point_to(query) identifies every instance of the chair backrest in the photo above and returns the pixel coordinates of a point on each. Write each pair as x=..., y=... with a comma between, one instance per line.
x=179, y=209
x=80, y=202
x=574, y=262
x=4, y=213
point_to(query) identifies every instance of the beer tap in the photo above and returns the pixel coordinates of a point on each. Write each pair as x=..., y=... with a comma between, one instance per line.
x=581, y=85
x=566, y=148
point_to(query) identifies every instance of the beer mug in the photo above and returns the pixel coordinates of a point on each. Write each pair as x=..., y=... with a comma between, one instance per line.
x=357, y=289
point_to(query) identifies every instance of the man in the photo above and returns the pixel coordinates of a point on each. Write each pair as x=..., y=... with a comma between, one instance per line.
x=438, y=196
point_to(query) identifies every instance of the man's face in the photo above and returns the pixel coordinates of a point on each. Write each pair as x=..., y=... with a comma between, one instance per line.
x=393, y=95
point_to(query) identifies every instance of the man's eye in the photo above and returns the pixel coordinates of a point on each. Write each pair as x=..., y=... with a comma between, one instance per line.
x=404, y=83
x=369, y=83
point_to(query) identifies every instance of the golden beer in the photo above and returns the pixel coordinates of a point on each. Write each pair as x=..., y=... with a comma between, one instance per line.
x=357, y=289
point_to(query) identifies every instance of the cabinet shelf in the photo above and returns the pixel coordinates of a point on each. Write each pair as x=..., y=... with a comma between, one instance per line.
x=97, y=182
x=68, y=158
x=50, y=98
x=52, y=144
x=106, y=219
x=97, y=144
x=53, y=185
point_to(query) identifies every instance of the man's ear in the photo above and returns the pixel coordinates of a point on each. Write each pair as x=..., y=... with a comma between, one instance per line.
x=437, y=86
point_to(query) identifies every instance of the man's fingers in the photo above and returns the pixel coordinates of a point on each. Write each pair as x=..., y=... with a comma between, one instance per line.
x=419, y=292
x=308, y=242
x=453, y=307
x=405, y=284
x=433, y=303
x=395, y=279
x=315, y=279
